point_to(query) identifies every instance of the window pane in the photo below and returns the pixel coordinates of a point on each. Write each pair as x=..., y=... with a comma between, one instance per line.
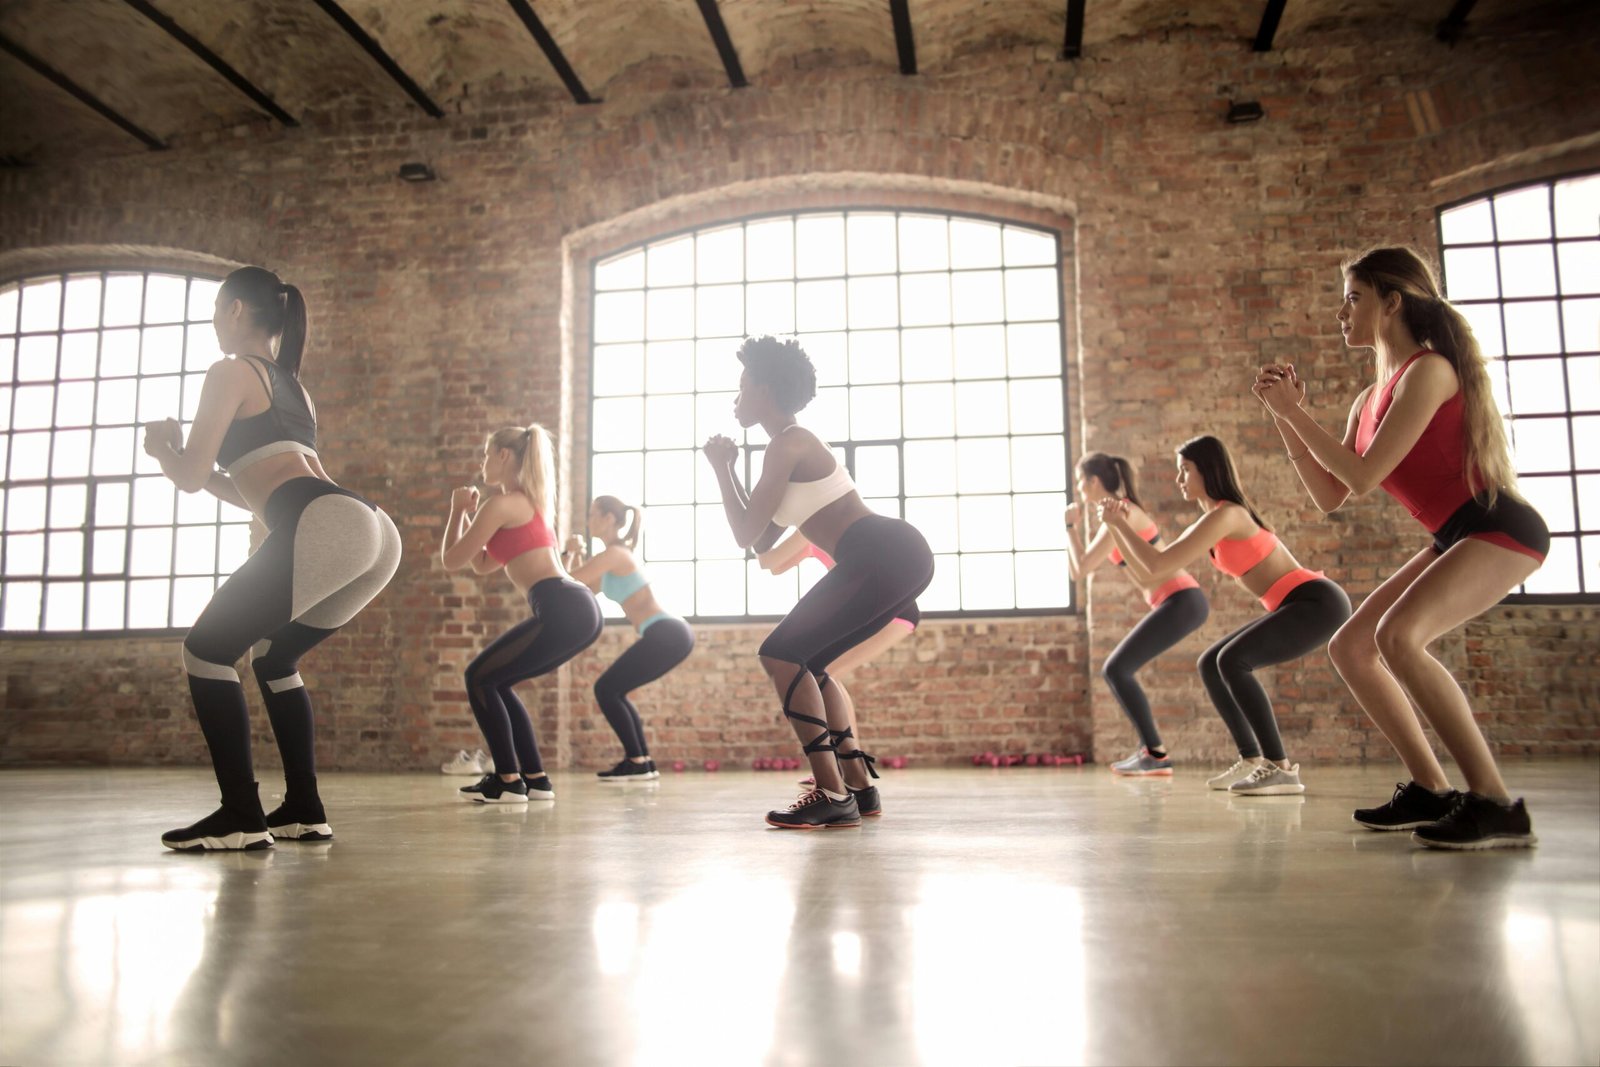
x=124, y=298
x=1580, y=267
x=1485, y=322
x=1589, y=502
x=69, y=506
x=1028, y=248
x=874, y=302
x=819, y=246
x=24, y=555
x=63, y=606
x=1577, y=207
x=874, y=412
x=669, y=478
x=1583, y=382
x=147, y=604
x=1032, y=294
x=203, y=298
x=871, y=242
x=981, y=408
x=769, y=308
x=30, y=457
x=1551, y=498
x=233, y=546
x=1470, y=273
x=1470, y=224
x=669, y=422
x=1038, y=464
x=66, y=554
x=105, y=605
x=930, y=468
x=925, y=299
x=618, y=369
x=717, y=366
x=10, y=298
x=988, y=582
x=197, y=509
x=828, y=354
x=769, y=250
x=874, y=356
x=977, y=296
x=719, y=255
x=713, y=539
x=1532, y=329
x=189, y=599
x=985, y=523
x=111, y=504
x=771, y=594
x=1581, y=324
x=162, y=351
x=1590, y=547
x=35, y=405
x=200, y=348
x=1560, y=571
x=670, y=263
x=1038, y=522
x=619, y=474
x=1035, y=407
x=926, y=355
x=1527, y=270
x=166, y=298
x=23, y=600
x=820, y=305
x=974, y=243
x=669, y=313
x=669, y=367
x=1540, y=445
x=114, y=401
x=672, y=533
x=158, y=398
x=618, y=317
x=828, y=415
x=877, y=470
x=1034, y=349
x=1537, y=386
x=74, y=404
x=944, y=592
x=719, y=587
x=980, y=351
x=153, y=501
x=151, y=551
x=621, y=272
x=981, y=465
x=197, y=550
x=714, y=414
x=935, y=519
x=930, y=410
x=1042, y=580
x=1586, y=437
x=924, y=242
x=69, y=455
x=618, y=425
x=719, y=311
x=41, y=305
x=1523, y=215
x=36, y=359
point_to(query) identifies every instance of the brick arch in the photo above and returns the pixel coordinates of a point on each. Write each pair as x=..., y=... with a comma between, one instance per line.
x=19, y=263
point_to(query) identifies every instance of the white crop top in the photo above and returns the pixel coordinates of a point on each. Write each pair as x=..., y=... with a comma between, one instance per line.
x=801, y=500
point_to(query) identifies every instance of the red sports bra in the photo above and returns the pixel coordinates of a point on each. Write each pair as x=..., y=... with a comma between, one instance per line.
x=1234, y=556
x=1431, y=480
x=509, y=542
x=1151, y=533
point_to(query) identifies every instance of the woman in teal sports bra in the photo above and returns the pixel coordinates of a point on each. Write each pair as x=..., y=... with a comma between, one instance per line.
x=664, y=639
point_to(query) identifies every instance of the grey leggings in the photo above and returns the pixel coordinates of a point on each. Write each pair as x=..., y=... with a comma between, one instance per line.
x=1169, y=622
x=1305, y=620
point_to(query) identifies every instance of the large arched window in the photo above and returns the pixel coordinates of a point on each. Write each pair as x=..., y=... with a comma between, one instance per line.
x=938, y=343
x=95, y=539
x=1523, y=265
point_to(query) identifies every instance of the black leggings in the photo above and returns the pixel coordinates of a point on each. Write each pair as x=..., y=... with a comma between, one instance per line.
x=328, y=554
x=665, y=643
x=566, y=620
x=1169, y=622
x=1305, y=620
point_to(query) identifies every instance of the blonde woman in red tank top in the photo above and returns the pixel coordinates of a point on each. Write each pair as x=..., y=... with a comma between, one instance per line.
x=1428, y=432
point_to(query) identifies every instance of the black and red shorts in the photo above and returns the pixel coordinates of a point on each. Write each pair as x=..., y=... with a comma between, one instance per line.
x=1512, y=523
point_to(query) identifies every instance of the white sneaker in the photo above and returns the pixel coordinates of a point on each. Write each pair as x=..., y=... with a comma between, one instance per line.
x=464, y=762
x=1241, y=769
x=1269, y=780
x=484, y=760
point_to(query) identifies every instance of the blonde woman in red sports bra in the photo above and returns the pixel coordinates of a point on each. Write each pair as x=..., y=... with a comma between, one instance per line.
x=1427, y=430
x=1303, y=608
x=511, y=530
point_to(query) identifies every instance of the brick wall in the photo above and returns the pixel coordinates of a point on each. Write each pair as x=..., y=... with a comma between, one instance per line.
x=1199, y=250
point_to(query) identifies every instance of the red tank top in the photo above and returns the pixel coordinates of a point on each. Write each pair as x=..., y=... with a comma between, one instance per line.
x=509, y=542
x=1431, y=480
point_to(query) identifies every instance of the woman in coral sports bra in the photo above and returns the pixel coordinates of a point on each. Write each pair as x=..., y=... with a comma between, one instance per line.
x=511, y=530
x=1303, y=608
x=1428, y=432
x=1177, y=606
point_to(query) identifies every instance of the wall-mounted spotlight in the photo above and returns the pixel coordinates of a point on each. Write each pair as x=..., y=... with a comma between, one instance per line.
x=417, y=172
x=1245, y=111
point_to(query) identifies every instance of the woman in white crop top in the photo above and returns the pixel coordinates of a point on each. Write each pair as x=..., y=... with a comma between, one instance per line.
x=881, y=566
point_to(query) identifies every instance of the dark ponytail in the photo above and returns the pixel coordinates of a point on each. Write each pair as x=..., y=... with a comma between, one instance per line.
x=1114, y=472
x=1211, y=459
x=276, y=307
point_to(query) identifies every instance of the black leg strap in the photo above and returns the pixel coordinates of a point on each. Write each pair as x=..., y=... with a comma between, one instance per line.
x=823, y=742
x=862, y=755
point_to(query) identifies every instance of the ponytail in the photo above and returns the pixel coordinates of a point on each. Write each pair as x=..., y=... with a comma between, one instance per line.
x=629, y=535
x=1114, y=472
x=536, y=468
x=276, y=307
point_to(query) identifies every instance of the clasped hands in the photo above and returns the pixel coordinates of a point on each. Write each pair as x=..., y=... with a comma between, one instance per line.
x=1279, y=388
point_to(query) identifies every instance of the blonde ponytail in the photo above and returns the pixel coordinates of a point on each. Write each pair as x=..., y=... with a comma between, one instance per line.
x=536, y=467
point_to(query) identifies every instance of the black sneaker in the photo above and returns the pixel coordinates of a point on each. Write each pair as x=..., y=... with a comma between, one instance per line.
x=868, y=801
x=629, y=771
x=539, y=788
x=299, y=822
x=491, y=790
x=224, y=828
x=816, y=810
x=1476, y=822
x=1411, y=806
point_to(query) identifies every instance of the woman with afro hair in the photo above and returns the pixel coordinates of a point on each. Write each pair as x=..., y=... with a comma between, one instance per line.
x=881, y=565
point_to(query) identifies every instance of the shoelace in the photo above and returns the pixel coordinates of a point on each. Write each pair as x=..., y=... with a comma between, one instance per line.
x=1263, y=771
x=806, y=799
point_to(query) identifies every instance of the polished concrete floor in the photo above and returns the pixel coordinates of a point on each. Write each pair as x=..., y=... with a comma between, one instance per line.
x=1022, y=916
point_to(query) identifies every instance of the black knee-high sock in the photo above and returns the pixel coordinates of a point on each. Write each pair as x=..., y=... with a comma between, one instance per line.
x=225, y=722
x=290, y=713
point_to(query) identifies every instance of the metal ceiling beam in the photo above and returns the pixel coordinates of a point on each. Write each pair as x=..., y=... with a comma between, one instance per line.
x=900, y=11
x=66, y=84
x=1269, y=24
x=724, y=43
x=375, y=50
x=1450, y=28
x=1072, y=48
x=214, y=61
x=552, y=52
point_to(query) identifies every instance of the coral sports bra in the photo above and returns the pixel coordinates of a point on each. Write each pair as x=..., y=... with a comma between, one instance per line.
x=1151, y=533
x=1235, y=556
x=509, y=542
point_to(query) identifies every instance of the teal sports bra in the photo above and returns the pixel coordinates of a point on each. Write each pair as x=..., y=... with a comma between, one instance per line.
x=620, y=587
